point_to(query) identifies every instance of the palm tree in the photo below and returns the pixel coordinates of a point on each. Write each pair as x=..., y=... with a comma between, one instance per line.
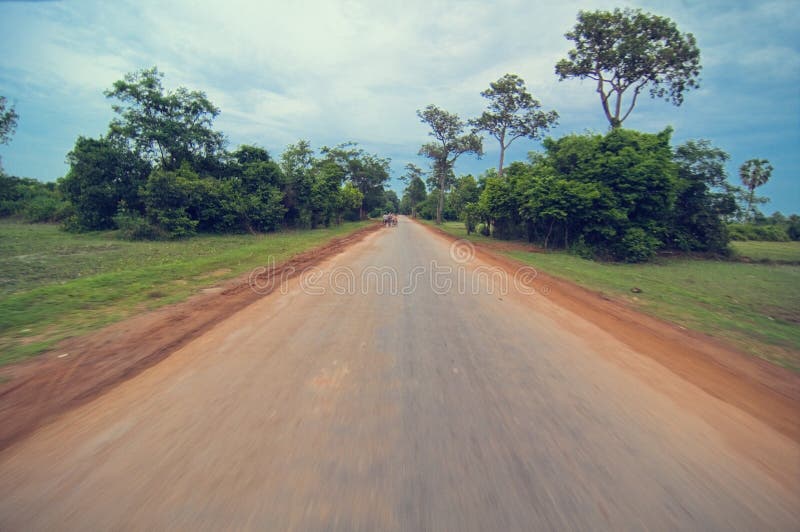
x=753, y=174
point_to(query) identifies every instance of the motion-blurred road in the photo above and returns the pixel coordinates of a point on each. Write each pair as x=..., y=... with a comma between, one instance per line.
x=402, y=388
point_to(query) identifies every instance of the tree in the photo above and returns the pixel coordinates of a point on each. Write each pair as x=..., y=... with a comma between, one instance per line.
x=349, y=200
x=102, y=173
x=704, y=198
x=754, y=173
x=450, y=142
x=8, y=121
x=392, y=202
x=412, y=172
x=369, y=173
x=415, y=187
x=630, y=49
x=465, y=191
x=513, y=113
x=166, y=127
x=296, y=162
x=416, y=194
x=257, y=183
x=325, y=193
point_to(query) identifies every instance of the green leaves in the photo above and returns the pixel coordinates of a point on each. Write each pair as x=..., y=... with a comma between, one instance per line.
x=102, y=173
x=450, y=142
x=513, y=113
x=166, y=127
x=629, y=49
x=755, y=172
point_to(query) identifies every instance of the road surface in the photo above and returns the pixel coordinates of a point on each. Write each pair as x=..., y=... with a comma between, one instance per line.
x=374, y=394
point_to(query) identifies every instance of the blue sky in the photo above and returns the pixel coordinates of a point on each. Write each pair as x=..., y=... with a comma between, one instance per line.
x=331, y=71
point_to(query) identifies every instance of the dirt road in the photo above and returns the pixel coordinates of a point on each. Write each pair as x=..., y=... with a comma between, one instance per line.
x=399, y=386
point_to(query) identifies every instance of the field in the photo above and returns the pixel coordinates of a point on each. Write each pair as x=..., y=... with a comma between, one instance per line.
x=55, y=284
x=781, y=252
x=755, y=306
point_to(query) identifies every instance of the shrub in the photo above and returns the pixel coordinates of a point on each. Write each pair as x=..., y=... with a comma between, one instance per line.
x=167, y=197
x=767, y=233
x=134, y=226
x=636, y=246
x=42, y=209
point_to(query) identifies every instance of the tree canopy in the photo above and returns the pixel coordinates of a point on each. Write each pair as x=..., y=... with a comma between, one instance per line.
x=513, y=113
x=629, y=49
x=166, y=127
x=163, y=172
x=450, y=142
x=754, y=173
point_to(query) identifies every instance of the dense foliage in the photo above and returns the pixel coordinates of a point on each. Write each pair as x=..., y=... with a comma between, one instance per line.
x=624, y=196
x=31, y=200
x=774, y=228
x=162, y=171
x=512, y=113
x=625, y=51
x=450, y=141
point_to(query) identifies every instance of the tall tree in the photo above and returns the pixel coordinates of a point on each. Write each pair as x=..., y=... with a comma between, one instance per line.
x=167, y=127
x=513, y=113
x=754, y=173
x=296, y=163
x=450, y=142
x=415, y=189
x=629, y=49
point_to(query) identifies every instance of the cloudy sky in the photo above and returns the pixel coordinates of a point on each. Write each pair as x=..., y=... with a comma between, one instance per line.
x=331, y=71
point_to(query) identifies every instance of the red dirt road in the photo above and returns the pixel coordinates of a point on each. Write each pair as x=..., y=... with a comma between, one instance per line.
x=399, y=387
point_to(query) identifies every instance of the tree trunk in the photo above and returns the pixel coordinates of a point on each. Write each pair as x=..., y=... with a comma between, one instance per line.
x=502, y=158
x=440, y=204
x=548, y=232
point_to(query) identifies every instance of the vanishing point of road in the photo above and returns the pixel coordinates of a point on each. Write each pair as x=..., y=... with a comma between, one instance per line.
x=404, y=385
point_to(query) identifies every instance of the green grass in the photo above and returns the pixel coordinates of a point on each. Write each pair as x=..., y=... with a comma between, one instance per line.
x=768, y=251
x=755, y=306
x=55, y=284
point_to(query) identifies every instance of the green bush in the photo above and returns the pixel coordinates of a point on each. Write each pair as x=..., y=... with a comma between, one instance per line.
x=764, y=233
x=636, y=245
x=582, y=249
x=134, y=226
x=167, y=196
x=44, y=209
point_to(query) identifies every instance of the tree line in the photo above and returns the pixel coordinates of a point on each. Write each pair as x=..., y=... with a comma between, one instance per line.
x=163, y=171
x=622, y=195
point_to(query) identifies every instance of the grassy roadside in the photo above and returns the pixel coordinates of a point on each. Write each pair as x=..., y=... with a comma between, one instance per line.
x=779, y=252
x=755, y=306
x=55, y=284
